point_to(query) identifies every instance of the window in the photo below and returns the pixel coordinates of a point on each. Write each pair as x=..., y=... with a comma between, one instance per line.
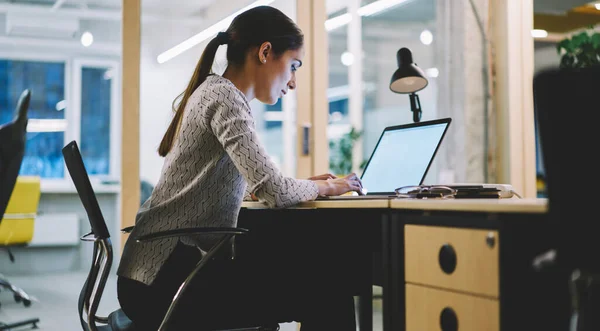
x=70, y=100
x=46, y=134
x=95, y=99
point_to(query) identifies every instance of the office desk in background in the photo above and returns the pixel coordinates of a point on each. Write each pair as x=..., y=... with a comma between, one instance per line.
x=441, y=263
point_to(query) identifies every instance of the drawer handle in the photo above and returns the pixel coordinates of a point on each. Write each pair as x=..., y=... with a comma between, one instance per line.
x=490, y=240
x=447, y=258
x=448, y=320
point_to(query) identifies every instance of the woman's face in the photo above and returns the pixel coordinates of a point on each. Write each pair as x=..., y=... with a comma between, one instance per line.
x=276, y=75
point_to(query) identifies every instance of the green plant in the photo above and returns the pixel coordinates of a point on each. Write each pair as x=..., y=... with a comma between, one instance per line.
x=340, y=161
x=580, y=50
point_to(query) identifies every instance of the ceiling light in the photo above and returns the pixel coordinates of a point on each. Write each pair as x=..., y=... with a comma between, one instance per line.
x=433, y=72
x=336, y=22
x=87, y=39
x=537, y=33
x=597, y=6
x=205, y=34
x=61, y=105
x=426, y=37
x=377, y=6
x=367, y=10
x=109, y=74
x=347, y=59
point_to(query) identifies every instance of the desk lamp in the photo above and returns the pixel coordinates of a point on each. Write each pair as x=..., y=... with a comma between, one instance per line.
x=409, y=79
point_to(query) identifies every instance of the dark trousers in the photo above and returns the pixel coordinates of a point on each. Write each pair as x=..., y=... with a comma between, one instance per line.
x=264, y=285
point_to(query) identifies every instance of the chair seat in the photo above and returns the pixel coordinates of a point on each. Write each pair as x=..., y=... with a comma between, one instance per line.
x=118, y=321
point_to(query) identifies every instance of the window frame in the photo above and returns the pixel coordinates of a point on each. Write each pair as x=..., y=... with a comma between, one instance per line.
x=115, y=137
x=72, y=95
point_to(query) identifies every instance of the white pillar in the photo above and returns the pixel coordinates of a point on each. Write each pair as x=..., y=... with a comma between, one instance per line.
x=355, y=99
x=513, y=44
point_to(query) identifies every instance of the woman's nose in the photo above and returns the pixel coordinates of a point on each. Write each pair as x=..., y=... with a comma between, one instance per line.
x=292, y=84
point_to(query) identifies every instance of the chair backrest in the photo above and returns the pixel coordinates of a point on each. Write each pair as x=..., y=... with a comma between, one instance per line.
x=12, y=149
x=567, y=110
x=80, y=178
x=91, y=292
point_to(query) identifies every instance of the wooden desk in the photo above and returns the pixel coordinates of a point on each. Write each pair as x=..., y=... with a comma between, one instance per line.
x=350, y=228
x=322, y=204
x=442, y=260
x=465, y=263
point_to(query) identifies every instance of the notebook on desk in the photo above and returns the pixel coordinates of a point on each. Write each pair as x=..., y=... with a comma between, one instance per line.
x=402, y=157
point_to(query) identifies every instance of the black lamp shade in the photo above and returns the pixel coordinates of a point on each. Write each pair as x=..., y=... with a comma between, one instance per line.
x=408, y=78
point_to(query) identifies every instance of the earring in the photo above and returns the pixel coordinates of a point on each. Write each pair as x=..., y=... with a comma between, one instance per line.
x=264, y=61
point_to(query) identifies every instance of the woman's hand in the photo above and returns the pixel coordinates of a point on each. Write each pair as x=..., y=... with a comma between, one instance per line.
x=323, y=177
x=339, y=186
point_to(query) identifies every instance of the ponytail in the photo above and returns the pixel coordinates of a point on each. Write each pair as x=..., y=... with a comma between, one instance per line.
x=247, y=30
x=200, y=73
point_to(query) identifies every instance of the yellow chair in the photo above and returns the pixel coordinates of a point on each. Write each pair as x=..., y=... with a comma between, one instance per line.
x=16, y=227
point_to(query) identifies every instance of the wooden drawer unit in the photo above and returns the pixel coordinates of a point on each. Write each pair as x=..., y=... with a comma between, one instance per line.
x=464, y=260
x=435, y=310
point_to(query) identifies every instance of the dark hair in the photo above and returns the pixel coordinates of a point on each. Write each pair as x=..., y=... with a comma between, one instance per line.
x=248, y=30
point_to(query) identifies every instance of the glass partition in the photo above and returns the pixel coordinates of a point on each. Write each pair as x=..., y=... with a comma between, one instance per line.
x=383, y=30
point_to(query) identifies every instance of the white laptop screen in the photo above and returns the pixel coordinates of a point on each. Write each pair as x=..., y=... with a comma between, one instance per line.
x=402, y=157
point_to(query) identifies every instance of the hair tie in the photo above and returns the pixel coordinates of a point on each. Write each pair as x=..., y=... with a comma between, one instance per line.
x=223, y=38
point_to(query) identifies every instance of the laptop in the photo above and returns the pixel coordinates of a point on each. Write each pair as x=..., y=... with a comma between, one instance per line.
x=402, y=157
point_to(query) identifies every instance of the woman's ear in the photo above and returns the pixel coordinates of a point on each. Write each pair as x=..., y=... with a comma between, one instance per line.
x=263, y=51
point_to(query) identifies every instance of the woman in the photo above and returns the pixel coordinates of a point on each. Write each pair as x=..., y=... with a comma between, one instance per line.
x=213, y=159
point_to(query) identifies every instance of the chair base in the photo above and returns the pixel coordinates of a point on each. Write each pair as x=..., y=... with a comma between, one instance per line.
x=18, y=293
x=20, y=296
x=32, y=321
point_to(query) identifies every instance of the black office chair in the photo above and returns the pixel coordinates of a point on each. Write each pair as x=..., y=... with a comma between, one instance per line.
x=91, y=293
x=567, y=105
x=12, y=150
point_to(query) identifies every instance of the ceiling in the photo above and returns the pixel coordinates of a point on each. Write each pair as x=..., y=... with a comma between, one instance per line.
x=408, y=11
x=180, y=8
x=556, y=7
x=564, y=16
x=411, y=11
x=558, y=16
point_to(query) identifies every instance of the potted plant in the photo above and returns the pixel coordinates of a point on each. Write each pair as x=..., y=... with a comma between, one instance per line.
x=340, y=162
x=580, y=50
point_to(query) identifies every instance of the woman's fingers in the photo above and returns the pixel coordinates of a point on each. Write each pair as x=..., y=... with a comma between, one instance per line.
x=355, y=185
x=357, y=188
x=323, y=177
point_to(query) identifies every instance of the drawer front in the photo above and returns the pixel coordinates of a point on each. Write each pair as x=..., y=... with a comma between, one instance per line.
x=435, y=310
x=459, y=259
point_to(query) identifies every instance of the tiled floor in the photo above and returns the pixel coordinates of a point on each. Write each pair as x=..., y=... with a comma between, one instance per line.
x=56, y=304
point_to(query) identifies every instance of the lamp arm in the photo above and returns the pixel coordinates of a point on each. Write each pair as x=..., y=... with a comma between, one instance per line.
x=415, y=107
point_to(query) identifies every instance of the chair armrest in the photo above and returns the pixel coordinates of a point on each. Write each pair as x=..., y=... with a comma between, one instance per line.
x=127, y=229
x=189, y=232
